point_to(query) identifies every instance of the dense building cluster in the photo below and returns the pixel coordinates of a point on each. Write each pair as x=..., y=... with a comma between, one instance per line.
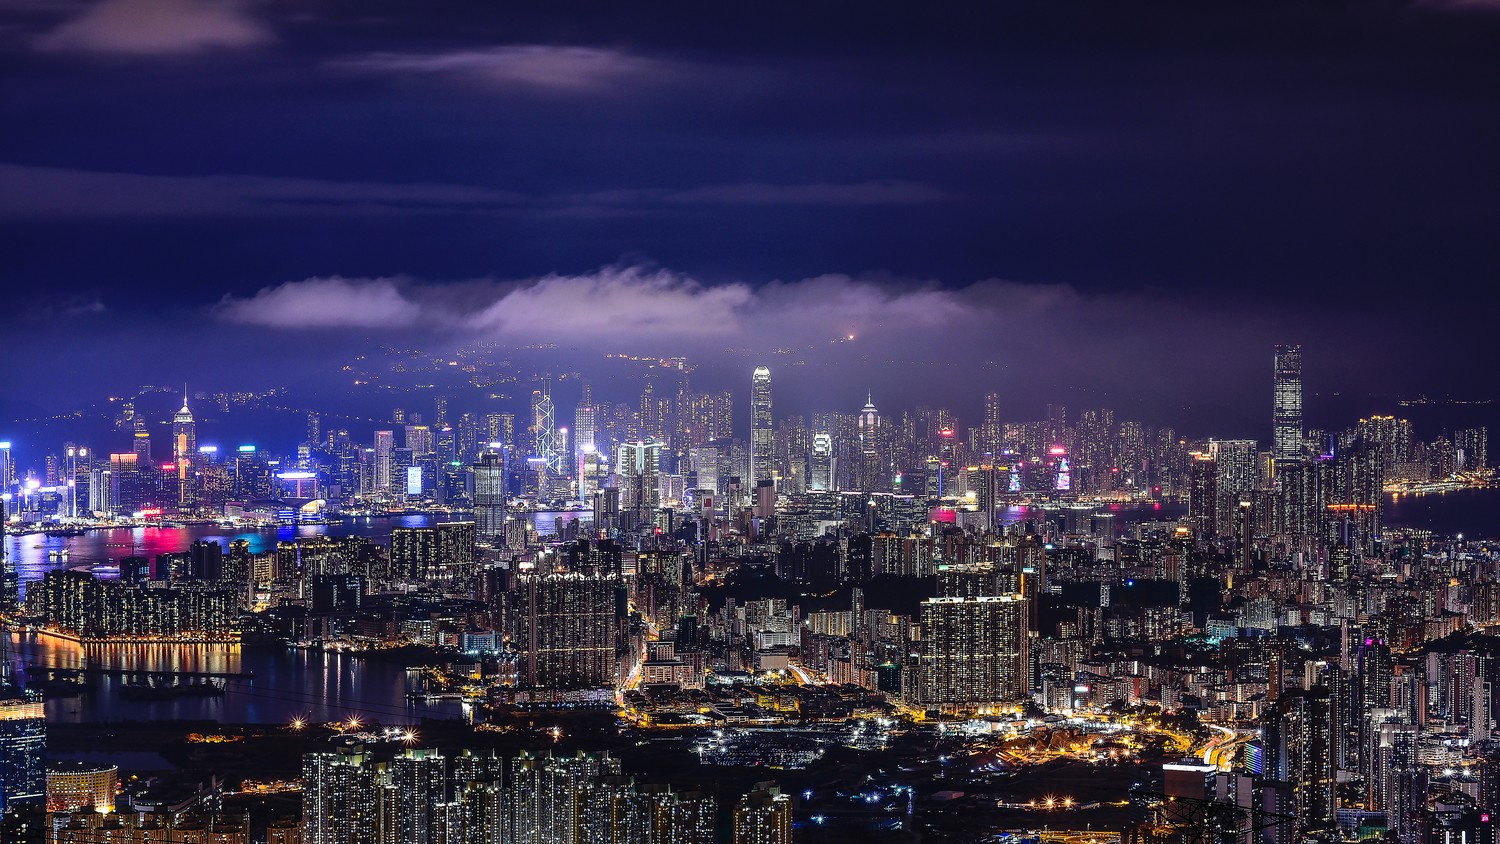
x=912, y=567
x=419, y=796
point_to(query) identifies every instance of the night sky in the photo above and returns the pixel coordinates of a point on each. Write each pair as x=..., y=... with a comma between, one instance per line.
x=1104, y=203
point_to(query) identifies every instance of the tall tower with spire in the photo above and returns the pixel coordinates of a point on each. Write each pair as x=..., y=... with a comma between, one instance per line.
x=184, y=451
x=870, y=476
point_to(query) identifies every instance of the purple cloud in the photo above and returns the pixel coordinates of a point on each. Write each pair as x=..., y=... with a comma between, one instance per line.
x=333, y=302
x=158, y=27
x=557, y=68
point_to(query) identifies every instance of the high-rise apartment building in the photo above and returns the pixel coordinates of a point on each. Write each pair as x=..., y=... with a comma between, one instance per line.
x=974, y=651
x=568, y=630
x=764, y=816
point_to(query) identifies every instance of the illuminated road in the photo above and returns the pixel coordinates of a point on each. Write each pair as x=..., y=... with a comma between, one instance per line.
x=1220, y=751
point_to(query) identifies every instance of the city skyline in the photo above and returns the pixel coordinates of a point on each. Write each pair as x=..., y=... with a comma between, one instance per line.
x=580, y=423
x=1004, y=219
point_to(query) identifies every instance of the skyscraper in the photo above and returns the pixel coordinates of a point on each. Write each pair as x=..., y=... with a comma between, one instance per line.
x=871, y=475
x=638, y=465
x=1299, y=747
x=974, y=651
x=1286, y=415
x=762, y=438
x=184, y=451
x=418, y=810
x=544, y=427
x=341, y=797
x=23, y=747
x=820, y=474
x=764, y=816
x=385, y=443
x=568, y=631
x=489, y=497
x=585, y=425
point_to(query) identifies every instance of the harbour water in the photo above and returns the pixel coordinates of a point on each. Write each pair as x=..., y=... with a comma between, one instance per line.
x=287, y=683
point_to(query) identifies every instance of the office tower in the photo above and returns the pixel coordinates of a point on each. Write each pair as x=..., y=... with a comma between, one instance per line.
x=764, y=816
x=974, y=650
x=385, y=443
x=1287, y=408
x=341, y=797
x=1300, y=750
x=585, y=424
x=440, y=411
x=489, y=498
x=991, y=432
x=184, y=452
x=638, y=465
x=419, y=440
x=871, y=472
x=762, y=437
x=820, y=475
x=550, y=795
x=314, y=430
x=23, y=743
x=128, y=490
x=416, y=799
x=141, y=442
x=7, y=467
x=544, y=427
x=568, y=630
x=1203, y=494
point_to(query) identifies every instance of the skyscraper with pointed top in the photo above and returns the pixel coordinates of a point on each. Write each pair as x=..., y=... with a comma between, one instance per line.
x=184, y=452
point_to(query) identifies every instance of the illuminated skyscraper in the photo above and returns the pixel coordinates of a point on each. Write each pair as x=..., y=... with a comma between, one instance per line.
x=638, y=465
x=762, y=438
x=550, y=795
x=1203, y=494
x=872, y=477
x=418, y=810
x=489, y=497
x=1287, y=411
x=23, y=746
x=385, y=443
x=1235, y=461
x=544, y=427
x=568, y=631
x=1299, y=750
x=585, y=425
x=341, y=797
x=820, y=475
x=974, y=651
